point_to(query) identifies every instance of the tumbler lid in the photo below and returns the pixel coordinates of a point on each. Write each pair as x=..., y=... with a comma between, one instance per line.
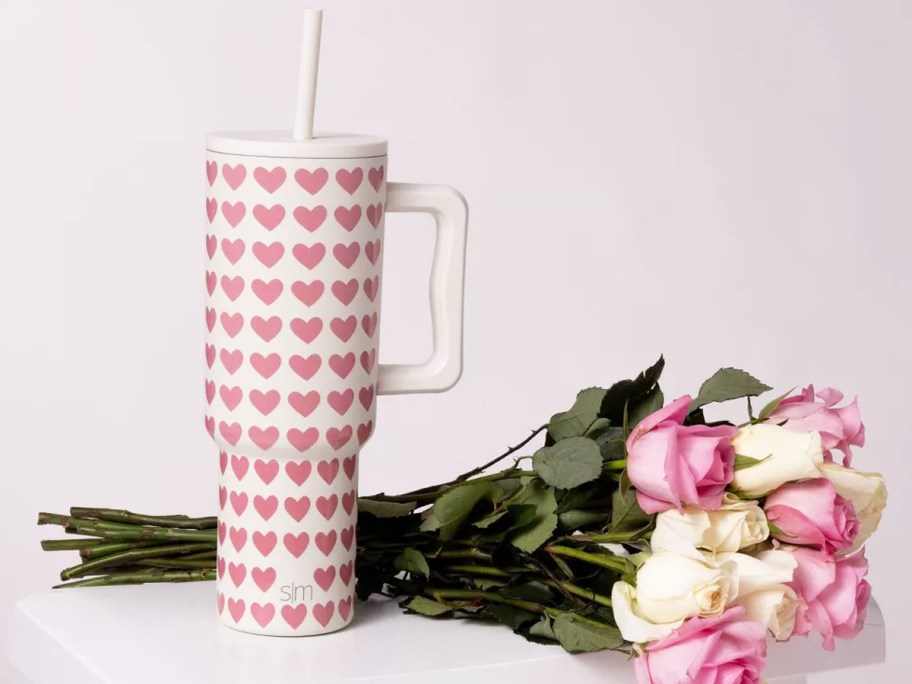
x=283, y=144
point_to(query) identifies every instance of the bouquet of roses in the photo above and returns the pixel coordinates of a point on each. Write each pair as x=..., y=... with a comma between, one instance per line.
x=637, y=526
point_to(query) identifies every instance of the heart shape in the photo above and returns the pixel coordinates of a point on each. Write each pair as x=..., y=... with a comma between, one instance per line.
x=238, y=537
x=266, y=470
x=324, y=577
x=327, y=505
x=262, y=614
x=341, y=401
x=211, y=211
x=234, y=175
x=239, y=466
x=237, y=572
x=368, y=359
x=347, y=255
x=375, y=177
x=350, y=180
x=349, y=465
x=238, y=502
x=366, y=397
x=268, y=255
x=297, y=508
x=308, y=293
x=312, y=181
x=269, y=180
x=298, y=472
x=230, y=433
x=326, y=542
x=347, y=217
x=345, y=607
x=236, y=609
x=346, y=572
x=344, y=328
x=372, y=251
x=307, y=330
x=266, y=506
x=232, y=287
x=364, y=431
x=348, y=537
x=304, y=403
x=264, y=542
x=211, y=172
x=338, y=438
x=310, y=219
x=294, y=615
x=233, y=249
x=328, y=470
x=264, y=578
x=269, y=217
x=266, y=366
x=231, y=359
x=267, y=292
x=232, y=323
x=266, y=402
x=210, y=391
x=305, y=366
x=374, y=214
x=372, y=287
x=263, y=438
x=342, y=365
x=309, y=255
x=302, y=441
x=323, y=612
x=234, y=213
x=210, y=355
x=296, y=543
x=345, y=292
x=266, y=328
x=348, y=501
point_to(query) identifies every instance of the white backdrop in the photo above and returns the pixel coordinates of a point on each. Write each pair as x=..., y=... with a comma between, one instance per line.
x=723, y=182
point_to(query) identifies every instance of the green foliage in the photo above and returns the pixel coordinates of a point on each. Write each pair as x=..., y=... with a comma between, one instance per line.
x=581, y=635
x=452, y=509
x=427, y=607
x=623, y=396
x=727, y=384
x=579, y=418
x=569, y=463
x=413, y=561
x=384, y=509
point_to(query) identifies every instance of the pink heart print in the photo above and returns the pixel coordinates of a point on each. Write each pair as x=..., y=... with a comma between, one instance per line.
x=293, y=286
x=269, y=179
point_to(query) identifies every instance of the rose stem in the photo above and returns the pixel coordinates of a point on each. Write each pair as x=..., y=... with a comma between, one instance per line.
x=121, y=516
x=595, y=559
x=127, y=556
x=143, y=577
x=579, y=591
x=471, y=595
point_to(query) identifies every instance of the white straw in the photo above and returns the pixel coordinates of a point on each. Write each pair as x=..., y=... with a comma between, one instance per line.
x=307, y=82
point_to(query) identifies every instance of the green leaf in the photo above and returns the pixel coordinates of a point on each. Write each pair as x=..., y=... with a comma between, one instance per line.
x=611, y=443
x=772, y=406
x=742, y=462
x=426, y=606
x=626, y=514
x=579, y=418
x=778, y=532
x=543, y=630
x=578, y=519
x=579, y=635
x=569, y=463
x=512, y=617
x=629, y=392
x=727, y=384
x=535, y=591
x=385, y=509
x=652, y=401
x=452, y=509
x=530, y=537
x=484, y=523
x=412, y=560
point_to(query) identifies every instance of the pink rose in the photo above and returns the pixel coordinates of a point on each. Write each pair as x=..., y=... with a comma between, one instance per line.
x=811, y=513
x=723, y=650
x=833, y=592
x=840, y=428
x=672, y=465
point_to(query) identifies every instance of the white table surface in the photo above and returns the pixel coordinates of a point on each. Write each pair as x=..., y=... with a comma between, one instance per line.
x=169, y=633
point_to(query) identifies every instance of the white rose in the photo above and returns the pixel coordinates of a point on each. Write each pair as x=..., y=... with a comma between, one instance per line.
x=671, y=588
x=734, y=526
x=784, y=456
x=866, y=491
x=763, y=590
x=633, y=627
